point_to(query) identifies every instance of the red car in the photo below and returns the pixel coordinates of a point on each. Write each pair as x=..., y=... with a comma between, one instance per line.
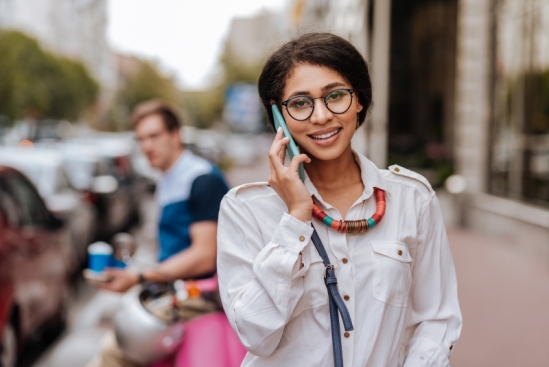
x=36, y=262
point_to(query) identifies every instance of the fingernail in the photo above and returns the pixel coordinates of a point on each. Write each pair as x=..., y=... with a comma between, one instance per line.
x=279, y=129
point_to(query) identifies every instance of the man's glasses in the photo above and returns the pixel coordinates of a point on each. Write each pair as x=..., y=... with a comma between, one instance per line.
x=337, y=101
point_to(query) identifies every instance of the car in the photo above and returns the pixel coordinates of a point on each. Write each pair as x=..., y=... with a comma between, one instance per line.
x=44, y=167
x=25, y=132
x=117, y=198
x=36, y=261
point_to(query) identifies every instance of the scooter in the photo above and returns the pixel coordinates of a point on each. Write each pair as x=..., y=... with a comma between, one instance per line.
x=166, y=340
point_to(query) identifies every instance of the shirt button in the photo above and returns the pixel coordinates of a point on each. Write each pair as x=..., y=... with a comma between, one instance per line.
x=301, y=238
x=399, y=252
x=346, y=297
x=346, y=334
x=345, y=261
x=397, y=169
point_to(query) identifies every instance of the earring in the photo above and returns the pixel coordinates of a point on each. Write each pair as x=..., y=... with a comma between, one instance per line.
x=357, y=121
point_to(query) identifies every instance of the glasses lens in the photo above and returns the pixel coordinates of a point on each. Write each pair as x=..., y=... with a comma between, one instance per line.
x=338, y=101
x=300, y=107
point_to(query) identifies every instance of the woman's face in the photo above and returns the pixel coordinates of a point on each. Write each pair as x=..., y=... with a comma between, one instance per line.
x=324, y=135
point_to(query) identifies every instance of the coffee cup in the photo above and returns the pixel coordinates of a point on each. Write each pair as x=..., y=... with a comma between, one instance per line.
x=99, y=256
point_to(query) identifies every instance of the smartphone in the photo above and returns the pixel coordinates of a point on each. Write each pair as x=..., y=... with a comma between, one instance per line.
x=291, y=147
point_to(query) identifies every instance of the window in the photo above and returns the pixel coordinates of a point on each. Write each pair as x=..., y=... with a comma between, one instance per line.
x=33, y=211
x=519, y=156
x=8, y=208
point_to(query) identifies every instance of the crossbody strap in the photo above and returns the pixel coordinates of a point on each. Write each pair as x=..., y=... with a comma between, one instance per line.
x=337, y=306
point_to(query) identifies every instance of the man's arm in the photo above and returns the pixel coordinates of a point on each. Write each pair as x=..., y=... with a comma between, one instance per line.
x=197, y=260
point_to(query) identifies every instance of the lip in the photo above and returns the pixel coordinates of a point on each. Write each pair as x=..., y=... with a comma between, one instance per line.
x=326, y=142
x=325, y=131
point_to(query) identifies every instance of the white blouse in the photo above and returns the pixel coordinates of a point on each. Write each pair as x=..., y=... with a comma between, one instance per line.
x=398, y=279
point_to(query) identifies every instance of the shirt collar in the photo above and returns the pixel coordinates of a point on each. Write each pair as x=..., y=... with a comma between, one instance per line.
x=370, y=178
x=182, y=160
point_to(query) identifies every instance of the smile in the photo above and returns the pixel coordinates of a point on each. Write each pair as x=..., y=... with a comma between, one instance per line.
x=326, y=136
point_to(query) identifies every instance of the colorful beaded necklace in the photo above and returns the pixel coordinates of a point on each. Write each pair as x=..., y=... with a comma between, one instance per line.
x=354, y=226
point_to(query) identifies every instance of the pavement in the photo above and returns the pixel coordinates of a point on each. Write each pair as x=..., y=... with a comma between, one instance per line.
x=503, y=292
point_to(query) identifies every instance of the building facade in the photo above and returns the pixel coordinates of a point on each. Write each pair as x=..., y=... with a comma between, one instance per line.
x=460, y=86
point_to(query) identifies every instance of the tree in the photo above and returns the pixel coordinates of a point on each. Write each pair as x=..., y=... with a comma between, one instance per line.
x=145, y=83
x=39, y=84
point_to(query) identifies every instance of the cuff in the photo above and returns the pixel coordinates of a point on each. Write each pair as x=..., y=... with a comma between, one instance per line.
x=292, y=233
x=425, y=352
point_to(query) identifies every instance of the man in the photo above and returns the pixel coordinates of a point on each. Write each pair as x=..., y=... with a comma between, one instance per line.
x=189, y=194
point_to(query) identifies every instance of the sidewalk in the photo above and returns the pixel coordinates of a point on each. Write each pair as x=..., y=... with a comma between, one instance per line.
x=504, y=297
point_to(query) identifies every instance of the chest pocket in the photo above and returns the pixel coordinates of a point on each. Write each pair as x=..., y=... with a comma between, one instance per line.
x=392, y=272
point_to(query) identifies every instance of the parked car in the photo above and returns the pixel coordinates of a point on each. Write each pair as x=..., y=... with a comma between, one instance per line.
x=114, y=188
x=38, y=131
x=44, y=167
x=36, y=260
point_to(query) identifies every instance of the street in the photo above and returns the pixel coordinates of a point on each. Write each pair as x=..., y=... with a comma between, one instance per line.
x=503, y=294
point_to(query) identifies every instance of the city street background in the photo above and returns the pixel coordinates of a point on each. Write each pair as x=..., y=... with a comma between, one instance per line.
x=503, y=293
x=460, y=95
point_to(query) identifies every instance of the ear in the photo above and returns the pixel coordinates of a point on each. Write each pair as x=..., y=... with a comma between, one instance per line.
x=358, y=105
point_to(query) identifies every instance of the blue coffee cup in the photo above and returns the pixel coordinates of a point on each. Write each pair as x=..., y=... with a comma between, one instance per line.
x=99, y=256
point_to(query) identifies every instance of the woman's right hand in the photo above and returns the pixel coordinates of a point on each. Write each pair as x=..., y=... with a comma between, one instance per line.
x=286, y=182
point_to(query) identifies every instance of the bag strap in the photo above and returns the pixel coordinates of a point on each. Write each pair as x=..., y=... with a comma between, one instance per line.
x=336, y=302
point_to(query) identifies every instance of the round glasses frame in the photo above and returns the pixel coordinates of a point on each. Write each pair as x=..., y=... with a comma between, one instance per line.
x=350, y=91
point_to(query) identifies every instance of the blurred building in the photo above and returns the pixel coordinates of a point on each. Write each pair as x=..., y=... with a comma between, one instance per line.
x=459, y=86
x=73, y=28
x=250, y=39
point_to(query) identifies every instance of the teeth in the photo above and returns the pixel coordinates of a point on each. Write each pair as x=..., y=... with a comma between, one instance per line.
x=325, y=136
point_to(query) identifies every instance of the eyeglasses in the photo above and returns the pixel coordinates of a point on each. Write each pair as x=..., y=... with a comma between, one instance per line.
x=337, y=101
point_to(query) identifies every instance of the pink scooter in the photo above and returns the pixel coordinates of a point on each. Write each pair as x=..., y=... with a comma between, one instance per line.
x=206, y=341
x=209, y=341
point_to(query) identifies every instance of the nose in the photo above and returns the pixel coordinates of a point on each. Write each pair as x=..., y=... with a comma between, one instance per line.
x=321, y=113
x=146, y=145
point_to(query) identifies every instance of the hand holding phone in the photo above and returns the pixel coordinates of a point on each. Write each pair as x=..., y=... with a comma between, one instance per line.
x=293, y=192
x=291, y=147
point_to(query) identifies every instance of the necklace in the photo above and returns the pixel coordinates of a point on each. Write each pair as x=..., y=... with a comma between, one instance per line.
x=354, y=226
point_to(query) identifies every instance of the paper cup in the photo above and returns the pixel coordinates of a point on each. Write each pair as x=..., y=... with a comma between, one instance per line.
x=99, y=256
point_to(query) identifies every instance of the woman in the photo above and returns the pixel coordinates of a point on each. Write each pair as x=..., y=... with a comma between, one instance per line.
x=382, y=229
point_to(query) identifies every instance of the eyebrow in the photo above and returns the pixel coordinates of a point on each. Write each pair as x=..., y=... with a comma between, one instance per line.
x=325, y=88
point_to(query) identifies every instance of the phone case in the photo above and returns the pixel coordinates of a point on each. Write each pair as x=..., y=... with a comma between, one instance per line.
x=291, y=147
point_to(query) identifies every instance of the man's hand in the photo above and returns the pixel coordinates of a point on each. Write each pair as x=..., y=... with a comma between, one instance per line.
x=120, y=280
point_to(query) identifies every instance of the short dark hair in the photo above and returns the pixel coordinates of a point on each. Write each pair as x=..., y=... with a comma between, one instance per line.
x=319, y=49
x=168, y=113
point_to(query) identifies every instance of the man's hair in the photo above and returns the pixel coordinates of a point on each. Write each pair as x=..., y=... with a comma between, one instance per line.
x=168, y=113
x=318, y=49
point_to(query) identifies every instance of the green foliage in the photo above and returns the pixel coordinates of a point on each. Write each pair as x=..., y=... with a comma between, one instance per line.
x=40, y=84
x=203, y=107
x=147, y=82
